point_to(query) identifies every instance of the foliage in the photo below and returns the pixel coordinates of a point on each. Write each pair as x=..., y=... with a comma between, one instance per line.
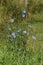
x=26, y=48
x=35, y=6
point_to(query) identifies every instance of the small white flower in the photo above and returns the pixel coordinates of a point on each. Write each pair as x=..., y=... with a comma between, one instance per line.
x=34, y=37
x=19, y=30
x=30, y=26
x=8, y=28
x=25, y=32
x=24, y=11
x=13, y=34
x=20, y=49
x=23, y=15
x=11, y=20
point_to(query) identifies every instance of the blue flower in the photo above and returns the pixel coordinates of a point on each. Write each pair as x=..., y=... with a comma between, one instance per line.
x=12, y=20
x=34, y=37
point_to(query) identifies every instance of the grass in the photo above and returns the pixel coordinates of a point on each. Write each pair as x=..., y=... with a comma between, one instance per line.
x=23, y=50
x=31, y=52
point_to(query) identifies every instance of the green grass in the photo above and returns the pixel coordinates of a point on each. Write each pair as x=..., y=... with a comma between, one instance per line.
x=32, y=50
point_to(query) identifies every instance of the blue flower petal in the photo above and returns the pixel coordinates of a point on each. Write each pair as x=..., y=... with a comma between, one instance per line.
x=34, y=37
